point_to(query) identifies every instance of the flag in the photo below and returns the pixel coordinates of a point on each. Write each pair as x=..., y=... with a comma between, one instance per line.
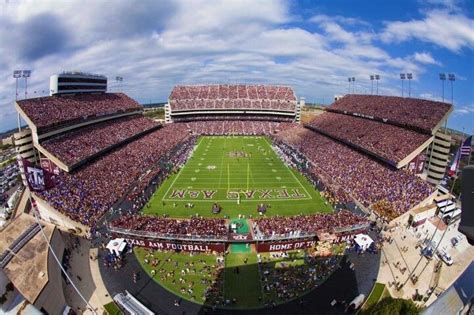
x=454, y=166
x=466, y=147
x=37, y=178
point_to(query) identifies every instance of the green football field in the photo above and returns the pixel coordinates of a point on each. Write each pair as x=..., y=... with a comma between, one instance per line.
x=238, y=173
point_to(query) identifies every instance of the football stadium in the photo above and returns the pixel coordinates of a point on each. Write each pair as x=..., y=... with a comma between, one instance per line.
x=229, y=203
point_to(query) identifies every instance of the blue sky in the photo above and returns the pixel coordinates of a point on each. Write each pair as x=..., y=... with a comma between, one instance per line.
x=312, y=46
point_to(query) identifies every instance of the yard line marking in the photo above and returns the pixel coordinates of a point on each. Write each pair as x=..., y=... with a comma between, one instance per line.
x=181, y=170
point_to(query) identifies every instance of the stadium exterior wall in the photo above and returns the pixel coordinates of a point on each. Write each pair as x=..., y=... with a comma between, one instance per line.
x=52, y=297
x=49, y=214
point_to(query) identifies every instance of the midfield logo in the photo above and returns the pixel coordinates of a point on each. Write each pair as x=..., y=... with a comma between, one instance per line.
x=294, y=193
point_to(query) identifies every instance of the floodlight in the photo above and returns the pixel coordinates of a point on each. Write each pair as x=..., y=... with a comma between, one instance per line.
x=377, y=77
x=442, y=76
x=372, y=77
x=402, y=76
x=409, y=76
x=451, y=77
x=17, y=74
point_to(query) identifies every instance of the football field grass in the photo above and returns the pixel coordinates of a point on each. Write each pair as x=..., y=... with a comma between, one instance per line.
x=238, y=173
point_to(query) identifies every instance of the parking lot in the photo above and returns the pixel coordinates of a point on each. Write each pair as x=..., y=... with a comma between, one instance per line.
x=9, y=183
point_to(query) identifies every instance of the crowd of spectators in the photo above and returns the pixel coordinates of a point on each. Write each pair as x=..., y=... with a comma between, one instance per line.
x=357, y=175
x=225, y=96
x=79, y=144
x=247, y=117
x=86, y=194
x=52, y=111
x=282, y=280
x=417, y=113
x=384, y=140
x=237, y=127
x=195, y=228
x=304, y=225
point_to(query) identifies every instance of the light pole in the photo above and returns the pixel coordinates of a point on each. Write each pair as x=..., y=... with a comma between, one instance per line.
x=16, y=76
x=442, y=77
x=349, y=80
x=372, y=84
x=26, y=74
x=119, y=80
x=409, y=77
x=353, y=85
x=452, y=78
x=377, y=78
x=402, y=77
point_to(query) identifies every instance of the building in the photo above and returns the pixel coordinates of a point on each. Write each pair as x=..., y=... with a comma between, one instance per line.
x=77, y=82
x=28, y=263
x=438, y=157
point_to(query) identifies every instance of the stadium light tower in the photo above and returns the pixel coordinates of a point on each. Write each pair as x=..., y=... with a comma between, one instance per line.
x=377, y=78
x=442, y=77
x=409, y=77
x=452, y=78
x=16, y=76
x=402, y=77
x=353, y=85
x=119, y=80
x=372, y=84
x=26, y=74
x=349, y=80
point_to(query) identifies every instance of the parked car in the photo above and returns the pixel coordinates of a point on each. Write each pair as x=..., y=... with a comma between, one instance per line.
x=445, y=257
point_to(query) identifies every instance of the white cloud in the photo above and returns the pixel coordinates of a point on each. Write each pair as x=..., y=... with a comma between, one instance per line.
x=157, y=45
x=464, y=110
x=443, y=28
x=425, y=57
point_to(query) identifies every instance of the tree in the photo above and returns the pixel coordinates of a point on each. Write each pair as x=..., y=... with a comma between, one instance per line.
x=391, y=306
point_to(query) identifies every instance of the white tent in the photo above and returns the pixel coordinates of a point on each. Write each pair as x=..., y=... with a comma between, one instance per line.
x=363, y=241
x=116, y=246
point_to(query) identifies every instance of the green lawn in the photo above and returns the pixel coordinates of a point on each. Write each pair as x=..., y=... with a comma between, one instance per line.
x=202, y=274
x=238, y=173
x=375, y=295
x=245, y=285
x=112, y=309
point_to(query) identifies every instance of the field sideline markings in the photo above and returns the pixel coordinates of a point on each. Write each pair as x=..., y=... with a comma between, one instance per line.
x=234, y=200
x=180, y=171
x=289, y=170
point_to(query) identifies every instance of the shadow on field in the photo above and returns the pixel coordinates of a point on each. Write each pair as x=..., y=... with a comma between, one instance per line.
x=343, y=285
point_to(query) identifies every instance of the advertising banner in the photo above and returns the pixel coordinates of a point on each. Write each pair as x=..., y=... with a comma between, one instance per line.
x=285, y=246
x=178, y=246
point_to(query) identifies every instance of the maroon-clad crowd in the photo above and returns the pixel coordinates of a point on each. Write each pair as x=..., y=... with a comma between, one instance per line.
x=208, y=228
x=422, y=114
x=301, y=225
x=51, y=111
x=356, y=174
x=240, y=127
x=232, y=96
x=85, y=195
x=387, y=141
x=82, y=143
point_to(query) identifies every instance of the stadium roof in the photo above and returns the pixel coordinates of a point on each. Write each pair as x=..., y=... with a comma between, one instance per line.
x=28, y=269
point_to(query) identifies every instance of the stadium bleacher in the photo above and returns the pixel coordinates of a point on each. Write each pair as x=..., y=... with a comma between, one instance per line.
x=225, y=96
x=57, y=111
x=420, y=114
x=363, y=178
x=85, y=195
x=389, y=142
x=79, y=144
